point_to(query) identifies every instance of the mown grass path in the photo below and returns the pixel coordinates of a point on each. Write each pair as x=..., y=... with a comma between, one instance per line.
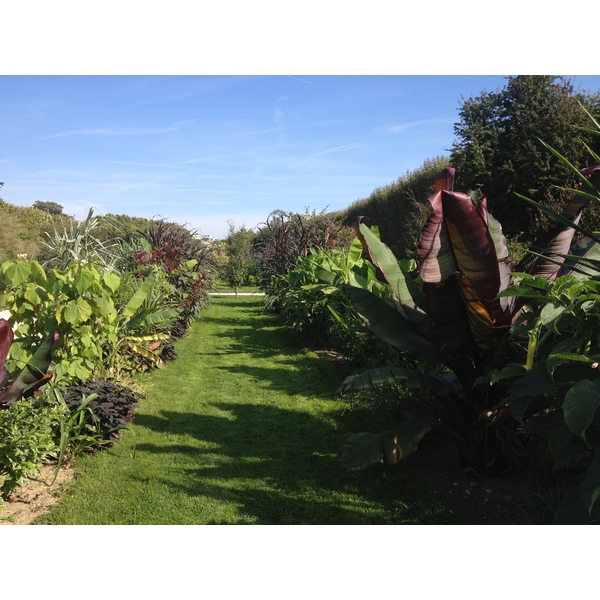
x=242, y=428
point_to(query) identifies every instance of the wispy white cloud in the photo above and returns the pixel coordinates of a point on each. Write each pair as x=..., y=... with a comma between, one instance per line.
x=121, y=131
x=403, y=127
x=317, y=155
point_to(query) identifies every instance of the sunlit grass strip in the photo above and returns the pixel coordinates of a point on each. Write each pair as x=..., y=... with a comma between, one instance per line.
x=240, y=429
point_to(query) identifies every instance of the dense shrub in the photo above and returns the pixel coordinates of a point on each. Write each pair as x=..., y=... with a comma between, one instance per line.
x=27, y=437
x=399, y=209
x=111, y=408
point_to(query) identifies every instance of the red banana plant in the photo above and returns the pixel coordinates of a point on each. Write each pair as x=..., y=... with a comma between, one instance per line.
x=453, y=317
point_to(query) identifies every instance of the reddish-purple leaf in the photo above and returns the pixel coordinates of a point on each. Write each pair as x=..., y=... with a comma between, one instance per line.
x=6, y=339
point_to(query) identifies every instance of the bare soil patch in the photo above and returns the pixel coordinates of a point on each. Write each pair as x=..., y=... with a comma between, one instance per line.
x=35, y=496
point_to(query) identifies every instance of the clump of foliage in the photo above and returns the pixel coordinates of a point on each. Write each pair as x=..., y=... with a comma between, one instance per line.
x=30, y=374
x=316, y=305
x=27, y=423
x=27, y=438
x=554, y=393
x=282, y=240
x=78, y=243
x=110, y=409
x=185, y=259
x=95, y=335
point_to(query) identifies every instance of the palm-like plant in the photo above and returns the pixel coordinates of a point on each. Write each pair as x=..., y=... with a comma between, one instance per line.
x=451, y=315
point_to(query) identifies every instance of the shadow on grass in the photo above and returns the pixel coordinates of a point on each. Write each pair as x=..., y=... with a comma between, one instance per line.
x=276, y=465
x=264, y=460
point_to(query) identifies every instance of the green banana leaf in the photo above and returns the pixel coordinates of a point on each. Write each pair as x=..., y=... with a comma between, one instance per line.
x=138, y=298
x=362, y=450
x=391, y=326
x=406, y=291
x=435, y=383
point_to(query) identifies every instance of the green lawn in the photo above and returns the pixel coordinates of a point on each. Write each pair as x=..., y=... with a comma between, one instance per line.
x=242, y=428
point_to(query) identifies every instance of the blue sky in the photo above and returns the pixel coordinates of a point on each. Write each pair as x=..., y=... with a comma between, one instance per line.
x=202, y=150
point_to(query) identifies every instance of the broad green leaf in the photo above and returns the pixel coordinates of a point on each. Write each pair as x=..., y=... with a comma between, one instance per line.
x=37, y=271
x=138, y=298
x=406, y=291
x=362, y=450
x=83, y=280
x=18, y=272
x=355, y=253
x=550, y=313
x=391, y=326
x=580, y=405
x=31, y=293
x=524, y=390
x=508, y=372
x=77, y=312
x=112, y=281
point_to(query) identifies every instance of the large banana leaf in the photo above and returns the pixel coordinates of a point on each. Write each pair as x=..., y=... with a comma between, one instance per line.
x=435, y=383
x=450, y=333
x=472, y=246
x=436, y=261
x=138, y=298
x=390, y=326
x=583, y=260
x=361, y=450
x=407, y=292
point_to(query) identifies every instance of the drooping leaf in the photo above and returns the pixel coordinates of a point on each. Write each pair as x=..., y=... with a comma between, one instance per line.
x=112, y=280
x=363, y=450
x=391, y=326
x=583, y=260
x=35, y=373
x=434, y=383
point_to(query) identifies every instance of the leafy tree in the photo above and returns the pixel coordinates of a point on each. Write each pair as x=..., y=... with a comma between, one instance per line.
x=52, y=208
x=240, y=262
x=499, y=147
